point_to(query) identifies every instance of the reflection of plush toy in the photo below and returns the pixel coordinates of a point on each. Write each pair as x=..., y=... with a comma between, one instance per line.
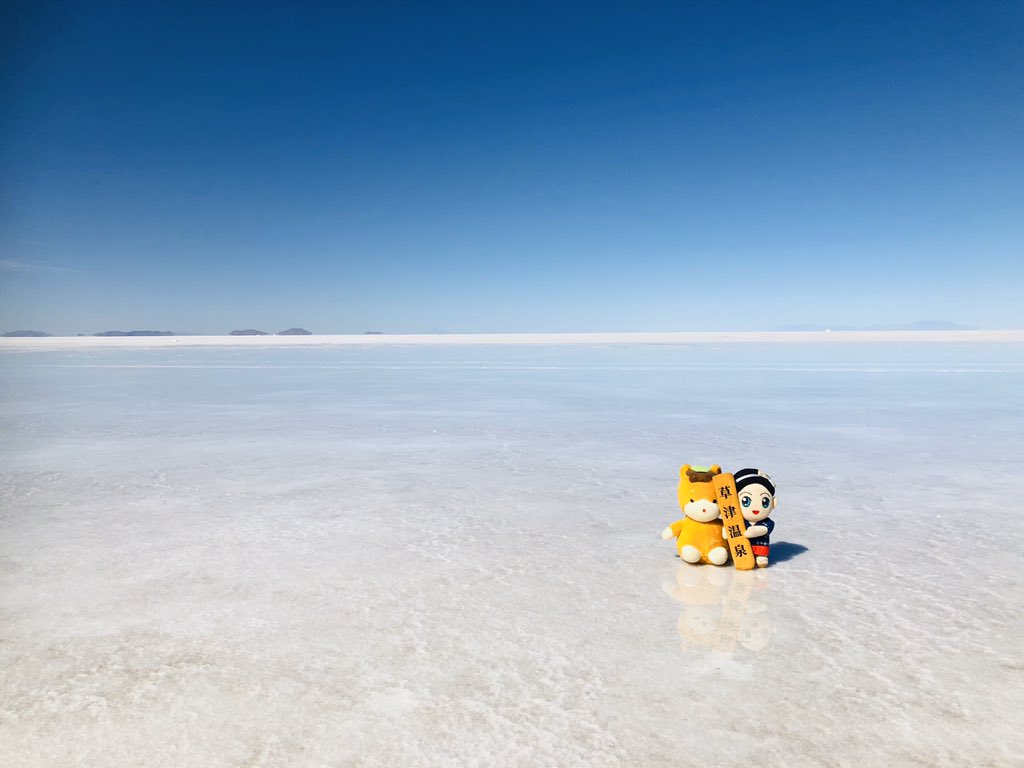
x=699, y=534
x=700, y=590
x=720, y=609
x=756, y=628
x=757, y=500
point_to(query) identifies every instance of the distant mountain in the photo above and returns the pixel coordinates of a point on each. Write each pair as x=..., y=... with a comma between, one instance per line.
x=136, y=333
x=295, y=332
x=25, y=334
x=249, y=332
x=808, y=327
x=919, y=325
x=936, y=325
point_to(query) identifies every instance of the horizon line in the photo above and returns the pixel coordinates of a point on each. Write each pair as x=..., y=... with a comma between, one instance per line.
x=383, y=339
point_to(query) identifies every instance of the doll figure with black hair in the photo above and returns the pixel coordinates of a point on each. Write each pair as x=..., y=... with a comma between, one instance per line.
x=757, y=500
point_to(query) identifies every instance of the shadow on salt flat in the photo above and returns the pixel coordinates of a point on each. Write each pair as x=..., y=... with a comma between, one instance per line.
x=786, y=550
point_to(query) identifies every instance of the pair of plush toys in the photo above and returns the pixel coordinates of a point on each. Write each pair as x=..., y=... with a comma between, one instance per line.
x=700, y=536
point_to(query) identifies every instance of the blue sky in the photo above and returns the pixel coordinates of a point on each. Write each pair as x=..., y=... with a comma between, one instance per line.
x=489, y=167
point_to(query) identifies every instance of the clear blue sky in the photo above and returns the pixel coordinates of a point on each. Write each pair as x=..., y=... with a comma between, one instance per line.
x=477, y=166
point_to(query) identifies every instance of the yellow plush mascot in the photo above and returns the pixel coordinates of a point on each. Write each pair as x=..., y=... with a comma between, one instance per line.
x=699, y=534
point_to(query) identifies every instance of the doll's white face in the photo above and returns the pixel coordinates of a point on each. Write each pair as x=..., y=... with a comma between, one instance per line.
x=756, y=502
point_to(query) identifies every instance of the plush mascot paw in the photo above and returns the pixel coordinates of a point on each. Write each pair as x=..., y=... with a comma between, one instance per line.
x=690, y=554
x=718, y=555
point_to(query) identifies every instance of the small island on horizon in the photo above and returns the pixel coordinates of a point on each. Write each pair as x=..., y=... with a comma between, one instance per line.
x=286, y=332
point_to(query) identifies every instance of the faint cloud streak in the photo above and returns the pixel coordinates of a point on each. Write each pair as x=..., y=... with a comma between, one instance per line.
x=17, y=265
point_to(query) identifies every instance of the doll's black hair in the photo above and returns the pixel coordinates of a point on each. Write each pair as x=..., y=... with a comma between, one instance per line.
x=750, y=476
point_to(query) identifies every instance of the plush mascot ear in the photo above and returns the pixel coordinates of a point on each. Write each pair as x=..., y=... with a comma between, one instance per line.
x=683, y=470
x=715, y=469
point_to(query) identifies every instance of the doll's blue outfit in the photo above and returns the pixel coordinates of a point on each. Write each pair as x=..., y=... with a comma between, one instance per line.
x=759, y=545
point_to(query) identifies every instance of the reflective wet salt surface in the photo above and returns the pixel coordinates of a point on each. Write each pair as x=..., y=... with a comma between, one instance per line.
x=424, y=556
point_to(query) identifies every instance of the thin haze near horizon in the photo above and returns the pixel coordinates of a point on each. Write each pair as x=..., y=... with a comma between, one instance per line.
x=470, y=167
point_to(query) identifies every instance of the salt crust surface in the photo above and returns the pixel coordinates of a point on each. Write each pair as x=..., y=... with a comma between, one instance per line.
x=438, y=556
